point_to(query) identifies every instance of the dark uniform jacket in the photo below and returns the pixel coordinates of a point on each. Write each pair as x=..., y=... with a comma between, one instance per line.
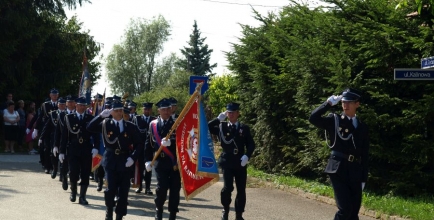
x=357, y=145
x=75, y=138
x=163, y=161
x=44, y=114
x=59, y=127
x=230, y=140
x=117, y=145
x=143, y=125
x=50, y=126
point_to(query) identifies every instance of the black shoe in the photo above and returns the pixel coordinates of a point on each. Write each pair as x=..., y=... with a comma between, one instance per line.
x=119, y=217
x=149, y=192
x=73, y=196
x=47, y=171
x=82, y=201
x=139, y=190
x=99, y=187
x=109, y=214
x=65, y=183
x=225, y=215
x=53, y=174
x=239, y=216
x=158, y=215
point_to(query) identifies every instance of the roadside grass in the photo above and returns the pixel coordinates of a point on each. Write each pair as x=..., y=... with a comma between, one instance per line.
x=419, y=208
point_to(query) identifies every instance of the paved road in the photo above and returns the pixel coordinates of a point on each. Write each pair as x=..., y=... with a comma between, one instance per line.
x=26, y=192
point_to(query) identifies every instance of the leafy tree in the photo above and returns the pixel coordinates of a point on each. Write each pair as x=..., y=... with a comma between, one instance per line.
x=40, y=49
x=197, y=55
x=220, y=92
x=296, y=59
x=131, y=64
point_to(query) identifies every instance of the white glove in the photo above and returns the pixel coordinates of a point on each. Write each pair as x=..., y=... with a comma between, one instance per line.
x=334, y=99
x=39, y=142
x=363, y=185
x=61, y=157
x=35, y=134
x=148, y=166
x=165, y=142
x=222, y=116
x=55, y=151
x=130, y=162
x=27, y=131
x=105, y=113
x=94, y=152
x=244, y=160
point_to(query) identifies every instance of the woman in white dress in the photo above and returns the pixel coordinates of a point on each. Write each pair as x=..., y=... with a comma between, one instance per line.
x=11, y=119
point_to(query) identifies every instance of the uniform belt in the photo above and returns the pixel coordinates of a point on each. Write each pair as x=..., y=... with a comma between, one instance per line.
x=350, y=158
x=162, y=154
x=117, y=151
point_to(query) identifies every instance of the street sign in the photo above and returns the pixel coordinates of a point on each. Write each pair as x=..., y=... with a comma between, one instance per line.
x=414, y=74
x=194, y=80
x=427, y=63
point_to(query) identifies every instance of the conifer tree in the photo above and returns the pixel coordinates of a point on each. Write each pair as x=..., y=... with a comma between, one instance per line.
x=196, y=55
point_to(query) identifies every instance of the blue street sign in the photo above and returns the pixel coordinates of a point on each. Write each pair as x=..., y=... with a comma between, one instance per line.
x=427, y=63
x=414, y=74
x=194, y=80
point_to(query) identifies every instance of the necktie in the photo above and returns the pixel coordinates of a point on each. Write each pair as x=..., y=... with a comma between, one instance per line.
x=53, y=104
x=146, y=119
x=117, y=127
x=81, y=117
x=164, y=123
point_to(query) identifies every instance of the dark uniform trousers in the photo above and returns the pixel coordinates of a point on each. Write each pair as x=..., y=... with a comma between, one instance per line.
x=167, y=178
x=346, y=172
x=115, y=157
x=39, y=121
x=49, y=134
x=143, y=126
x=240, y=138
x=78, y=146
x=64, y=168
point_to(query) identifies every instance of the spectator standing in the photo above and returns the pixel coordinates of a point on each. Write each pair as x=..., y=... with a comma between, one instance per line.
x=29, y=140
x=11, y=119
x=21, y=124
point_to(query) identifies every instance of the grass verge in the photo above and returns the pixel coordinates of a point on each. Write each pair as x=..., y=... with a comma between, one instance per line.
x=420, y=208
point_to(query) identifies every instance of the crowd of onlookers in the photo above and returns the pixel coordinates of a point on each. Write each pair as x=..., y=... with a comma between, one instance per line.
x=15, y=118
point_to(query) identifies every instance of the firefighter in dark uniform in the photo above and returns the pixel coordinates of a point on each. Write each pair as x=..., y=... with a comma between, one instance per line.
x=76, y=140
x=174, y=107
x=167, y=177
x=48, y=133
x=348, y=163
x=118, y=159
x=64, y=168
x=44, y=144
x=132, y=106
x=142, y=123
x=99, y=172
x=238, y=146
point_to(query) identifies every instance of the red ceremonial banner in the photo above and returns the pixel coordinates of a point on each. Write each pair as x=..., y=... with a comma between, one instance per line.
x=96, y=161
x=187, y=146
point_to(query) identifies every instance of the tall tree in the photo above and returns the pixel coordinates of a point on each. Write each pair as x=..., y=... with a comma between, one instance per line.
x=41, y=49
x=131, y=64
x=197, y=55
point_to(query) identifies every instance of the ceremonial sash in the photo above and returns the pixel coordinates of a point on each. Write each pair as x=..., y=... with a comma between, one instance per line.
x=158, y=141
